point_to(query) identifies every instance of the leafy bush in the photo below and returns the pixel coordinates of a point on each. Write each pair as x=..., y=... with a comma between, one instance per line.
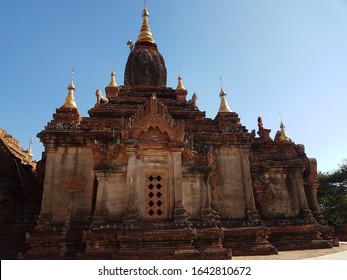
x=332, y=195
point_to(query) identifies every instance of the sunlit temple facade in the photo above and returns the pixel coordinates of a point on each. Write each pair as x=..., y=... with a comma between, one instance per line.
x=147, y=176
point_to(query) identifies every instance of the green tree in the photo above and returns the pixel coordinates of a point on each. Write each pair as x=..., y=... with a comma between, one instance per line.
x=332, y=195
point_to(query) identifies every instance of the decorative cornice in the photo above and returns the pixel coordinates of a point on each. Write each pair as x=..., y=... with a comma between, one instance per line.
x=154, y=115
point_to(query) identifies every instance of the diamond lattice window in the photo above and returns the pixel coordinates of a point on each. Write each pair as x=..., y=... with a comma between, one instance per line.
x=155, y=196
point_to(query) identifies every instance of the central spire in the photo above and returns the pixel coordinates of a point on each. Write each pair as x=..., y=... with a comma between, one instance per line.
x=145, y=65
x=145, y=32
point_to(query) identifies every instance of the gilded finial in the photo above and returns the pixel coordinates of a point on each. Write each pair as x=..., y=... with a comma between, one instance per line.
x=71, y=86
x=223, y=107
x=283, y=135
x=113, y=78
x=180, y=85
x=145, y=32
x=70, y=99
x=30, y=149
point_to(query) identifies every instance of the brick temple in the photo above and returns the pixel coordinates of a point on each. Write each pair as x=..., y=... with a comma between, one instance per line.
x=148, y=176
x=20, y=195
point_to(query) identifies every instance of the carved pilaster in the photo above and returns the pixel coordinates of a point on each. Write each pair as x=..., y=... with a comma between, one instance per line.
x=48, y=183
x=131, y=179
x=247, y=183
x=177, y=171
x=211, y=175
x=313, y=186
x=315, y=206
x=100, y=214
x=299, y=185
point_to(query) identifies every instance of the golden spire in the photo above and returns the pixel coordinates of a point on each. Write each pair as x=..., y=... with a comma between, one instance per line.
x=145, y=32
x=180, y=85
x=113, y=79
x=30, y=150
x=283, y=135
x=70, y=99
x=223, y=107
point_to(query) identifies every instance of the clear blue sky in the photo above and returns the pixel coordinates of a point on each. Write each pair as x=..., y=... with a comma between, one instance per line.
x=287, y=56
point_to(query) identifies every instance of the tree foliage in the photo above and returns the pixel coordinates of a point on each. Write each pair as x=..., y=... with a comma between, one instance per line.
x=332, y=195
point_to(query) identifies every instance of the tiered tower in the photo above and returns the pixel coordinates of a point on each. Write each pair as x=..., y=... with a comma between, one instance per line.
x=147, y=175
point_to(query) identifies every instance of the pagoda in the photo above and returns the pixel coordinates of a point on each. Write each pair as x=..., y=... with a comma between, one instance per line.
x=148, y=176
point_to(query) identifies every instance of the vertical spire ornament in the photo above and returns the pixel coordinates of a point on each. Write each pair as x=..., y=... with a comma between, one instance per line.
x=113, y=78
x=223, y=107
x=70, y=99
x=30, y=149
x=283, y=135
x=145, y=32
x=180, y=85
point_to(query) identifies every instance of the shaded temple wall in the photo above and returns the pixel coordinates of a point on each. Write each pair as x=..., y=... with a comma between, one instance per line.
x=68, y=185
x=194, y=193
x=20, y=196
x=283, y=179
x=277, y=193
x=232, y=192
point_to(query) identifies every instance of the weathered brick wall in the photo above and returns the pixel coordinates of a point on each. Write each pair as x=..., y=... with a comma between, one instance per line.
x=20, y=196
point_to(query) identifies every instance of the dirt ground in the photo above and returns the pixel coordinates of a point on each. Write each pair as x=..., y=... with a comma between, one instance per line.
x=297, y=255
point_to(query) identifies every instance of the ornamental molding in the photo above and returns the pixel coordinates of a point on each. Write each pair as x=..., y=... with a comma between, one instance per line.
x=154, y=116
